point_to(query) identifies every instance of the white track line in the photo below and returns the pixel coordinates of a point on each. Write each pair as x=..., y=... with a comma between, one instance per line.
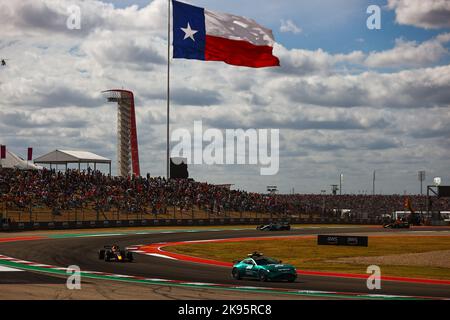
x=7, y=269
x=102, y=235
x=160, y=256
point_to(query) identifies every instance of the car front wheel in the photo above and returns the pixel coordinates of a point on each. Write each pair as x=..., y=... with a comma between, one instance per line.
x=262, y=276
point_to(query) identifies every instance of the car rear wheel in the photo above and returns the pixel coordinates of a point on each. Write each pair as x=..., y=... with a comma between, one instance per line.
x=235, y=273
x=291, y=279
x=130, y=256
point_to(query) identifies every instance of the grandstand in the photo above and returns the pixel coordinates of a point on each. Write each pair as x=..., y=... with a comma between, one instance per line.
x=49, y=196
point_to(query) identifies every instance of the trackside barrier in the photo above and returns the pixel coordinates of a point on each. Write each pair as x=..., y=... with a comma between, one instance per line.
x=22, y=226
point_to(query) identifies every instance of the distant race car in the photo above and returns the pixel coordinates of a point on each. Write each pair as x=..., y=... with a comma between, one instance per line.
x=258, y=266
x=283, y=226
x=397, y=225
x=114, y=253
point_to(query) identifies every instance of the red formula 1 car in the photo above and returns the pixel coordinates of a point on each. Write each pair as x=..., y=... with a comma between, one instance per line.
x=114, y=253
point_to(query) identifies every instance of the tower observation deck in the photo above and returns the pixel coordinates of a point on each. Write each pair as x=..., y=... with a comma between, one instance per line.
x=127, y=141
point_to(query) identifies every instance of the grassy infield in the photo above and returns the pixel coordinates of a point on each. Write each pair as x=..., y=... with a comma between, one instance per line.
x=305, y=254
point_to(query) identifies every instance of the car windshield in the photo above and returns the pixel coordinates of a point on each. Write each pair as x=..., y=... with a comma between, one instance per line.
x=265, y=261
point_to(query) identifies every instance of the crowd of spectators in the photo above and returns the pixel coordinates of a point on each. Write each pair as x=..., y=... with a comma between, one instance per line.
x=72, y=189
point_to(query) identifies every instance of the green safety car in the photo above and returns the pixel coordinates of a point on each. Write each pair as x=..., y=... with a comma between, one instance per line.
x=258, y=266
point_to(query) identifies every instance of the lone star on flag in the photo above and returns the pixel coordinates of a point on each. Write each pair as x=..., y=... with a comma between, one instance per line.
x=189, y=33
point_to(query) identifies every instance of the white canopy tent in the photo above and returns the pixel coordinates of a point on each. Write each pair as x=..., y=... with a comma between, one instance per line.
x=14, y=161
x=66, y=157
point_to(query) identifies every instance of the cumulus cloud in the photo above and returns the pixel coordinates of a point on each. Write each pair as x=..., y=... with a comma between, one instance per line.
x=300, y=118
x=289, y=26
x=307, y=62
x=405, y=54
x=29, y=17
x=190, y=97
x=429, y=14
x=110, y=48
x=420, y=88
x=411, y=53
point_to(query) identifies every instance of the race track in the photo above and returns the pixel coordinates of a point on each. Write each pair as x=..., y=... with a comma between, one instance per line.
x=82, y=251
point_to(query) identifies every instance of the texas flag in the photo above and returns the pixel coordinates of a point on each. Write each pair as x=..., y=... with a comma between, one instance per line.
x=201, y=34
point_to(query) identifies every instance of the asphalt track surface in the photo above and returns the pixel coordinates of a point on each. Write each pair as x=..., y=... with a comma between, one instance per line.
x=24, y=277
x=84, y=253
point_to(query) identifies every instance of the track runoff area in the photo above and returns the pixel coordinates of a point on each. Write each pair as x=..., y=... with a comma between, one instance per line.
x=44, y=257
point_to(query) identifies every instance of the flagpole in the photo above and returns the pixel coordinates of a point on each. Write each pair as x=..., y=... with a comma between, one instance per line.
x=168, y=89
x=373, y=182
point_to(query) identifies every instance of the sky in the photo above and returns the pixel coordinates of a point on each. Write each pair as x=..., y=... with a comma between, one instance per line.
x=346, y=99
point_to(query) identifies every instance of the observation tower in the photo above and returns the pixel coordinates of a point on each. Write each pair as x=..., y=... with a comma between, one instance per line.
x=127, y=141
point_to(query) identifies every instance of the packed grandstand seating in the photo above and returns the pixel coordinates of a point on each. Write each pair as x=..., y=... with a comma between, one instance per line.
x=60, y=191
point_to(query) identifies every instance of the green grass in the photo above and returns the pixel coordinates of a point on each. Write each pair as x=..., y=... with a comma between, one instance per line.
x=305, y=254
